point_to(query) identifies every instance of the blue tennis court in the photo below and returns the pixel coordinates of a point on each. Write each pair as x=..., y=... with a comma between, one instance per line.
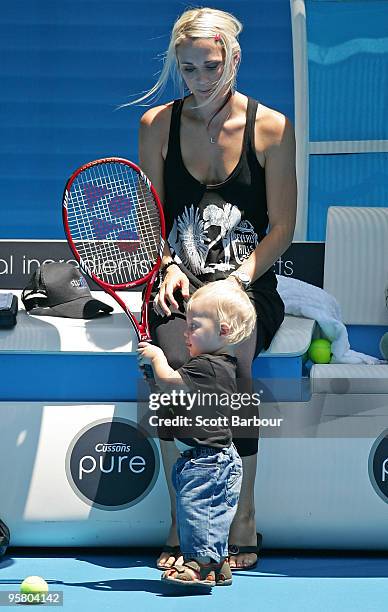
x=103, y=580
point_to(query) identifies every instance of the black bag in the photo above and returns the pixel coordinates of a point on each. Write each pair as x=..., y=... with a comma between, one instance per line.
x=8, y=310
x=4, y=537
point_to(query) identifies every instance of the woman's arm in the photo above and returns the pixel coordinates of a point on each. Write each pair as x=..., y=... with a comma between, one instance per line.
x=152, y=134
x=276, y=144
x=153, y=138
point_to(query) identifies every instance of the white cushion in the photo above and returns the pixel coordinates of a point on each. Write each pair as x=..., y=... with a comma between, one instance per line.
x=114, y=333
x=356, y=262
x=292, y=338
x=349, y=378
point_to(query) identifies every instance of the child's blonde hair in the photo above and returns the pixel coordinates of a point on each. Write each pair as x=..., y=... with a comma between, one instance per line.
x=201, y=23
x=232, y=306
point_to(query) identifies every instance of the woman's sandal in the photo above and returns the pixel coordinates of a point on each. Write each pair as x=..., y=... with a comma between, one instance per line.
x=172, y=551
x=234, y=550
x=209, y=575
x=4, y=538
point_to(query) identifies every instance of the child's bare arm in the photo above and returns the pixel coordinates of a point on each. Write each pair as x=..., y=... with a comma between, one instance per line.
x=165, y=377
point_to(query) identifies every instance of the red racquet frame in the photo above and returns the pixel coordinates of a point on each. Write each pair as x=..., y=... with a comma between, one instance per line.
x=141, y=327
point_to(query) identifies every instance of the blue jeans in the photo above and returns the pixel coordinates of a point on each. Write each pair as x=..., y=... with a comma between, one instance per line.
x=207, y=482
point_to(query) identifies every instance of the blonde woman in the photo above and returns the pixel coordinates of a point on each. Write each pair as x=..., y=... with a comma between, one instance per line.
x=224, y=166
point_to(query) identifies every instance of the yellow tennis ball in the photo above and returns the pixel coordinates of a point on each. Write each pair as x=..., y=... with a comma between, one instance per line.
x=34, y=585
x=320, y=351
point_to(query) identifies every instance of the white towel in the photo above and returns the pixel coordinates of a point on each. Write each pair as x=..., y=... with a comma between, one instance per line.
x=305, y=300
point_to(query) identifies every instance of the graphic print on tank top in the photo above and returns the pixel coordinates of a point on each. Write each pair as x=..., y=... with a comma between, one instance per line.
x=212, y=237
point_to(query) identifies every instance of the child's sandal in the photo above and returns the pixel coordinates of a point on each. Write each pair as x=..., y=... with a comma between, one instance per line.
x=205, y=575
x=223, y=574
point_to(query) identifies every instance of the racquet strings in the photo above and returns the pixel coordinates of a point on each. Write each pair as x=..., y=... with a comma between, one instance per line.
x=114, y=223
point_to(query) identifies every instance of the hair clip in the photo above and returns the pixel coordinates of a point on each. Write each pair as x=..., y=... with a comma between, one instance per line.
x=217, y=37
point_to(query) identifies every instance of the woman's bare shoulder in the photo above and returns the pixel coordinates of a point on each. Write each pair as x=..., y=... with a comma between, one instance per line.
x=155, y=128
x=157, y=117
x=271, y=126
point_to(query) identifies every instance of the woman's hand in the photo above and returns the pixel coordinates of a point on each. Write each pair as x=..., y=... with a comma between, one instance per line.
x=233, y=281
x=174, y=279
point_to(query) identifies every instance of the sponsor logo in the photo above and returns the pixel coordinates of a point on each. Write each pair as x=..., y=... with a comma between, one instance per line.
x=378, y=466
x=112, y=464
x=79, y=282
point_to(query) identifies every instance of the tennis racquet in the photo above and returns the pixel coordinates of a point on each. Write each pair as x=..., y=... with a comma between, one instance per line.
x=115, y=227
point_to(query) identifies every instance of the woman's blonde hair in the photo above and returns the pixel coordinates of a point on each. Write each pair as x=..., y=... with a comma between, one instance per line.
x=232, y=306
x=223, y=27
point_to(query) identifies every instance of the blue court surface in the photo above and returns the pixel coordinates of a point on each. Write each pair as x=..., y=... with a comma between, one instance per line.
x=107, y=579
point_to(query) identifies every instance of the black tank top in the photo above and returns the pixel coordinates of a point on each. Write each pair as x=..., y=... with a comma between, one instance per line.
x=211, y=229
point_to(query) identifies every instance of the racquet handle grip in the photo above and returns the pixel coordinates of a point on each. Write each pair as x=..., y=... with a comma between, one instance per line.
x=148, y=371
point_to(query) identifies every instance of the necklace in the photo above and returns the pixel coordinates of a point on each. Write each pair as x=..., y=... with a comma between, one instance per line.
x=213, y=139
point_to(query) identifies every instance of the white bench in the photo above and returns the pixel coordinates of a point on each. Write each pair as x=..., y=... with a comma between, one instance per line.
x=62, y=365
x=114, y=333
